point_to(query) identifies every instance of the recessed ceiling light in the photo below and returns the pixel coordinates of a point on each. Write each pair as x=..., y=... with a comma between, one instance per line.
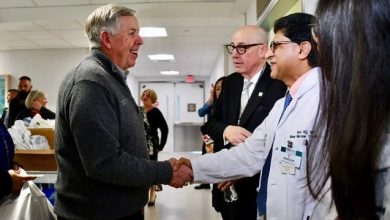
x=153, y=32
x=170, y=72
x=161, y=57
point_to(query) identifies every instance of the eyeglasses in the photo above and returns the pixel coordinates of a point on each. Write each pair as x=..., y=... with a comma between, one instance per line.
x=241, y=49
x=275, y=44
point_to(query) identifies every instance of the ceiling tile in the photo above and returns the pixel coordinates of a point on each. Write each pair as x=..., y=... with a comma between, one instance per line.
x=60, y=2
x=53, y=43
x=78, y=42
x=69, y=33
x=8, y=36
x=33, y=35
x=22, y=44
x=19, y=26
x=59, y=25
x=16, y=3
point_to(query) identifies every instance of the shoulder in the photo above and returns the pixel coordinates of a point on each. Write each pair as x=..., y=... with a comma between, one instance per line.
x=87, y=70
x=155, y=111
x=232, y=77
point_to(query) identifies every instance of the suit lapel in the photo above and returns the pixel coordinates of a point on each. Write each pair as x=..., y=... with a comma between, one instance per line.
x=235, y=99
x=257, y=95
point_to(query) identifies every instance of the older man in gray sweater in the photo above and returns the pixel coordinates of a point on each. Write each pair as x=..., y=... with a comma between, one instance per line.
x=103, y=166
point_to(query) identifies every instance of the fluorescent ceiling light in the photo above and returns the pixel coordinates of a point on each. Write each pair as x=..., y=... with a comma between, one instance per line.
x=159, y=57
x=169, y=72
x=153, y=32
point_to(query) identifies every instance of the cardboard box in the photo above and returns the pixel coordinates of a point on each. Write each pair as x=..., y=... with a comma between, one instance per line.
x=47, y=132
x=38, y=160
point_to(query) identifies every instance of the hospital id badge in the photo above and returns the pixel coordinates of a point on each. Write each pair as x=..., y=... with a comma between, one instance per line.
x=291, y=156
x=287, y=168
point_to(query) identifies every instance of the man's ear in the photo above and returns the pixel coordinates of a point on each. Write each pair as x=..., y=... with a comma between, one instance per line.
x=105, y=39
x=304, y=50
x=263, y=50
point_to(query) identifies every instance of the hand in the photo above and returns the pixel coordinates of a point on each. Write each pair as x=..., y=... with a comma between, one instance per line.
x=182, y=161
x=182, y=175
x=226, y=185
x=210, y=100
x=18, y=180
x=236, y=134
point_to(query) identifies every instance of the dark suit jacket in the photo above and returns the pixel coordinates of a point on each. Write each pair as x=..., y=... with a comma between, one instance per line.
x=15, y=106
x=226, y=112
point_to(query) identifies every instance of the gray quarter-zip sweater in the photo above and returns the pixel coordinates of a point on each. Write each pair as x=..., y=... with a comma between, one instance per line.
x=103, y=166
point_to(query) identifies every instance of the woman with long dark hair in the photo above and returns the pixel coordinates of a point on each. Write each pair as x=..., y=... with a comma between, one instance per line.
x=352, y=156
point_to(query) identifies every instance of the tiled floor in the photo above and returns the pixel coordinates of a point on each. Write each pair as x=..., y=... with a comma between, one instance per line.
x=185, y=203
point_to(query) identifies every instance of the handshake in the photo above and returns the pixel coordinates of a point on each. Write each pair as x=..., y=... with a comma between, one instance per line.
x=182, y=172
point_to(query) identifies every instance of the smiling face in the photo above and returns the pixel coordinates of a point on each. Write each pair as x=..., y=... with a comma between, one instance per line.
x=122, y=47
x=42, y=100
x=283, y=58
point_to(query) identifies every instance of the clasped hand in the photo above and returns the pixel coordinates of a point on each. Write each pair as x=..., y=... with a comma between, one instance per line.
x=182, y=172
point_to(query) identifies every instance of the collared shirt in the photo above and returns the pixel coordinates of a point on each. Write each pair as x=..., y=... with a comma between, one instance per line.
x=254, y=80
x=295, y=86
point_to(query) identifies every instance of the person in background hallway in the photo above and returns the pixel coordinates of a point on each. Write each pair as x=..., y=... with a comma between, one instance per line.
x=206, y=110
x=352, y=159
x=233, y=120
x=10, y=179
x=103, y=167
x=278, y=146
x=17, y=104
x=207, y=107
x=36, y=104
x=11, y=94
x=156, y=122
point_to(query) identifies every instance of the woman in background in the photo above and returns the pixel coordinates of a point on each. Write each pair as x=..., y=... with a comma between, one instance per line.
x=354, y=120
x=36, y=104
x=156, y=121
x=206, y=110
x=214, y=93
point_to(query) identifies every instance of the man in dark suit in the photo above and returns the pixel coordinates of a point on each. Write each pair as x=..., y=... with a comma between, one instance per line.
x=17, y=104
x=239, y=110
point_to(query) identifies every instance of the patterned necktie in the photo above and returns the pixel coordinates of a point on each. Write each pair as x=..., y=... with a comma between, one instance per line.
x=262, y=195
x=245, y=95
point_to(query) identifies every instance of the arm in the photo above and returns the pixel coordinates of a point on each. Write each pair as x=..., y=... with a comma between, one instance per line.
x=244, y=160
x=162, y=125
x=47, y=114
x=206, y=108
x=6, y=184
x=12, y=182
x=214, y=125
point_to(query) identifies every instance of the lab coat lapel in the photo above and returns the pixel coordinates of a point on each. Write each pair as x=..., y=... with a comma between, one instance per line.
x=306, y=86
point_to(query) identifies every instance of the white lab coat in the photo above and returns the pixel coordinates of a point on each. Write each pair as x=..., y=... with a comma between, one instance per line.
x=288, y=195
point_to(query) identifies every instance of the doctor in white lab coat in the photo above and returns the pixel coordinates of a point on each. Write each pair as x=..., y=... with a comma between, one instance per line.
x=294, y=63
x=288, y=196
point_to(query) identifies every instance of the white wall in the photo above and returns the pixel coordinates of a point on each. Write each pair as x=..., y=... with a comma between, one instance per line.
x=251, y=17
x=309, y=6
x=45, y=67
x=132, y=82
